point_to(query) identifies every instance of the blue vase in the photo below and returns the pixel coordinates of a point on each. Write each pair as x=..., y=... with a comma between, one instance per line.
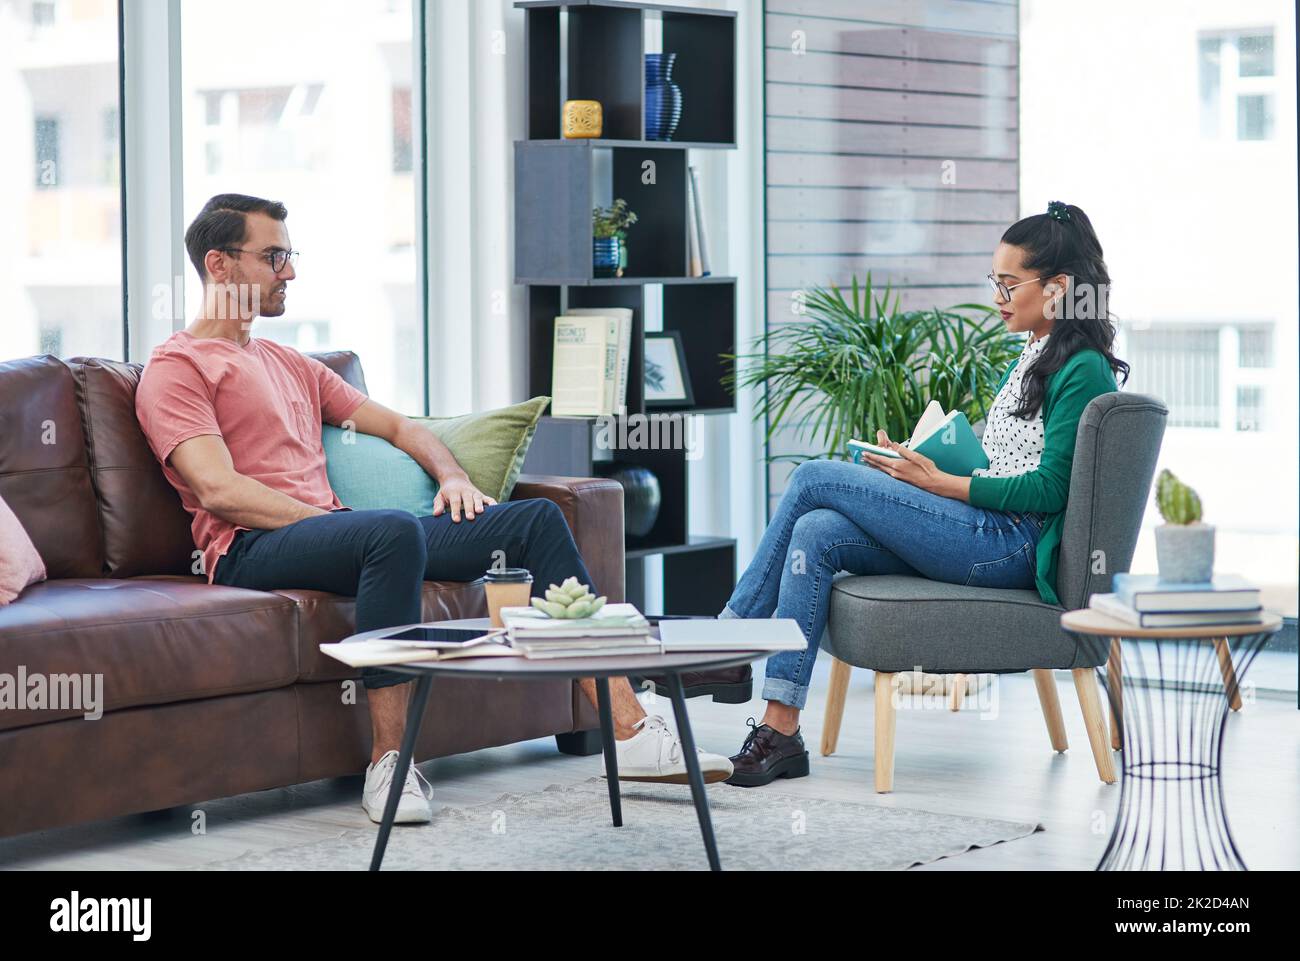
x=663, y=98
x=607, y=257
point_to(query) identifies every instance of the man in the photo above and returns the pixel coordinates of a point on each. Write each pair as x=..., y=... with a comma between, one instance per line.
x=235, y=420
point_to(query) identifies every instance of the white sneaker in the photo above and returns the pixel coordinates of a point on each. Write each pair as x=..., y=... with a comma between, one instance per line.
x=412, y=807
x=655, y=754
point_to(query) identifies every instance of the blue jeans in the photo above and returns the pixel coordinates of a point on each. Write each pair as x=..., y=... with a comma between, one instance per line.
x=838, y=516
x=382, y=558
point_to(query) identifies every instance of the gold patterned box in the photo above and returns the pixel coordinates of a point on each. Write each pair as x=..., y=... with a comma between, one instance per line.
x=583, y=119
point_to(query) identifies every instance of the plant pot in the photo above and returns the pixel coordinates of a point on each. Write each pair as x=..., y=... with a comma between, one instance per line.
x=609, y=257
x=1185, y=552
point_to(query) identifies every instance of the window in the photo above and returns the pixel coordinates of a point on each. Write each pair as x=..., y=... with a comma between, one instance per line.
x=1236, y=83
x=1181, y=367
x=1250, y=408
x=47, y=152
x=1208, y=312
x=43, y=12
x=110, y=167
x=60, y=242
x=403, y=146
x=321, y=127
x=266, y=128
x=1184, y=367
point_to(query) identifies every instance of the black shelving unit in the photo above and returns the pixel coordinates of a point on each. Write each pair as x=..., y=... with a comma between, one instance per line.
x=558, y=181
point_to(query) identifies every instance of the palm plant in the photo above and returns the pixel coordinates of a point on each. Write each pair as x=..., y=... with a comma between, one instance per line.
x=855, y=366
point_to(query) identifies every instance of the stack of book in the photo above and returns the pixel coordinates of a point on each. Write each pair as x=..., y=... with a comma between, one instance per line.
x=615, y=629
x=1146, y=601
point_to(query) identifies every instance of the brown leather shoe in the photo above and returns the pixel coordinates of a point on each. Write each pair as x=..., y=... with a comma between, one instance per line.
x=768, y=754
x=728, y=685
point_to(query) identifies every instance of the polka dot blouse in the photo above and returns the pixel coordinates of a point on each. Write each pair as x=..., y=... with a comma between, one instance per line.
x=1013, y=445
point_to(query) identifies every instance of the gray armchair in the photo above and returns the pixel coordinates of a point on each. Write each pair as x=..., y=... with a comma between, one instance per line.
x=892, y=623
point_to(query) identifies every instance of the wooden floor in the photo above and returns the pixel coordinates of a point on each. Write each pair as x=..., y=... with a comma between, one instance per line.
x=999, y=765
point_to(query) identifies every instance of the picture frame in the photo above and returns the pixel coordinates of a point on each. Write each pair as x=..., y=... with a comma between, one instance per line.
x=667, y=379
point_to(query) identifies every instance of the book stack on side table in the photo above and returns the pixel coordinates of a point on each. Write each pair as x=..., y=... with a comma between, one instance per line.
x=1144, y=600
x=614, y=629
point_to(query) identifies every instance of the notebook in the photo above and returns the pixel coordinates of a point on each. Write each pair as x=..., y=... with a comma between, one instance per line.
x=731, y=634
x=947, y=439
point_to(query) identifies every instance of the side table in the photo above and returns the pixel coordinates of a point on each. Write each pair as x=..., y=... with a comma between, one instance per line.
x=1169, y=697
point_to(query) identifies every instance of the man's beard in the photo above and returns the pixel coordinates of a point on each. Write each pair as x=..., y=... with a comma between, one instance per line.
x=272, y=305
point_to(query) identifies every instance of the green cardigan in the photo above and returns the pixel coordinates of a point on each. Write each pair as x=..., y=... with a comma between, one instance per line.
x=1085, y=375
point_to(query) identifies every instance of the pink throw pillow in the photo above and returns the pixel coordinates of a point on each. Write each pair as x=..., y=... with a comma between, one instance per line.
x=20, y=565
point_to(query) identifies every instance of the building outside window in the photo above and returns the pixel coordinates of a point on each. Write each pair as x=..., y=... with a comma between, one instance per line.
x=60, y=195
x=1237, y=82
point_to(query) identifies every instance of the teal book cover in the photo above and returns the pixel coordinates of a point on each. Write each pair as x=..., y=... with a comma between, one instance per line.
x=954, y=448
x=947, y=439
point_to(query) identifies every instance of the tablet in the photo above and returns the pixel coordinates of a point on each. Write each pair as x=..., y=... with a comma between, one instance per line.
x=443, y=638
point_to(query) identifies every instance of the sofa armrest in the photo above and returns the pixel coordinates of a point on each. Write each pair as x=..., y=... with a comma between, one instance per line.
x=593, y=506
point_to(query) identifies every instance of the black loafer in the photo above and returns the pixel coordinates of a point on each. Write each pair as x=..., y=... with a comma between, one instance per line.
x=766, y=755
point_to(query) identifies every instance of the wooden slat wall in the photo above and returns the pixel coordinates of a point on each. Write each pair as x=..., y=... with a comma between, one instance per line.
x=859, y=127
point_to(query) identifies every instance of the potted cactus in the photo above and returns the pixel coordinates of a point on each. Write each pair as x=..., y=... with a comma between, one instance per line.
x=1184, y=545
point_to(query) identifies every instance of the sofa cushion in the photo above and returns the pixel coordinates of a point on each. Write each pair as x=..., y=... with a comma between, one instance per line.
x=329, y=618
x=44, y=468
x=20, y=564
x=368, y=473
x=891, y=622
x=344, y=363
x=146, y=530
x=154, y=641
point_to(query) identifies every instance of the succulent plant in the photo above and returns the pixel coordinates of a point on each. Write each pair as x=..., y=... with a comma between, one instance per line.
x=1178, y=503
x=569, y=601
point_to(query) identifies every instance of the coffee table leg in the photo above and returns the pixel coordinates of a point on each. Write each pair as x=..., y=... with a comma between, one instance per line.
x=414, y=715
x=607, y=742
x=693, y=769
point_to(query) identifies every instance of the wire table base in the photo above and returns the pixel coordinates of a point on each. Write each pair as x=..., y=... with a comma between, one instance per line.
x=1172, y=706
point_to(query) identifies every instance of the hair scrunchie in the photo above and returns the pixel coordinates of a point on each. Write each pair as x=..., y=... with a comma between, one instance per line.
x=1058, y=211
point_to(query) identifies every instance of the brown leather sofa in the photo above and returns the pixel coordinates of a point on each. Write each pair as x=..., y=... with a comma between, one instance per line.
x=208, y=691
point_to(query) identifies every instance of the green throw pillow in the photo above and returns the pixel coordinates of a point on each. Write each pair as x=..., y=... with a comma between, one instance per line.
x=368, y=473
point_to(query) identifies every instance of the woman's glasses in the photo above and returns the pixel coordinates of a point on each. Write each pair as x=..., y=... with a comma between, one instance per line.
x=1005, y=291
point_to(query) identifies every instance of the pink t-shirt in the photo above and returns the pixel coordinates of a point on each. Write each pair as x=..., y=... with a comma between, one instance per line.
x=267, y=402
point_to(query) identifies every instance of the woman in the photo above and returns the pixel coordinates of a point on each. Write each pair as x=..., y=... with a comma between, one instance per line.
x=1000, y=528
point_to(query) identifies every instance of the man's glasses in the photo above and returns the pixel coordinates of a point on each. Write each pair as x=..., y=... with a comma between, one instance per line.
x=278, y=259
x=1004, y=290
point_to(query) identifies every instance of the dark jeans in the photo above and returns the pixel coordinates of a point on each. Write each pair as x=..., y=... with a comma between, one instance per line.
x=382, y=557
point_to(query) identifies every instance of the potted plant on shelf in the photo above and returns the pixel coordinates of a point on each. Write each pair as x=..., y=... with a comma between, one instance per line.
x=609, y=246
x=1184, y=545
x=855, y=366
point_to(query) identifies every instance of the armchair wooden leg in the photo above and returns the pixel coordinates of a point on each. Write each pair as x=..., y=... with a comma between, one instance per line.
x=1085, y=684
x=835, y=696
x=1115, y=683
x=958, y=693
x=1229, y=674
x=885, y=719
x=1045, y=681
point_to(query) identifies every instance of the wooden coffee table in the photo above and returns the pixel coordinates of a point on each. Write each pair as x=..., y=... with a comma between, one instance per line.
x=670, y=666
x=1170, y=698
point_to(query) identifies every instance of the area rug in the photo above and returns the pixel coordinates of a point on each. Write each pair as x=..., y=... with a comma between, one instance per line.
x=569, y=828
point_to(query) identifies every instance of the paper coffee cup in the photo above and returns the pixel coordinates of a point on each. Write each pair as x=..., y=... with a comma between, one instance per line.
x=511, y=587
